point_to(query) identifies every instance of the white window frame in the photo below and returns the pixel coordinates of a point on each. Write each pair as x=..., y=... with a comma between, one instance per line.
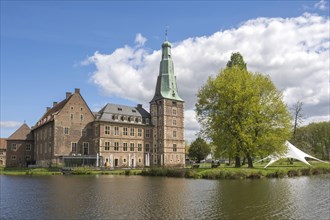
x=73, y=145
x=107, y=145
x=107, y=129
x=13, y=147
x=86, y=144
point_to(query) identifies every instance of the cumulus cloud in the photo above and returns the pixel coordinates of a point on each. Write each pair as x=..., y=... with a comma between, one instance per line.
x=293, y=51
x=140, y=40
x=322, y=5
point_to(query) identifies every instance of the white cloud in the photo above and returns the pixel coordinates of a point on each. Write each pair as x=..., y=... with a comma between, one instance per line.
x=293, y=51
x=10, y=124
x=140, y=40
x=322, y=5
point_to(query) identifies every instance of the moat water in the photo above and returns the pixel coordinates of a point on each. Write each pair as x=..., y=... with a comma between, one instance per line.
x=137, y=197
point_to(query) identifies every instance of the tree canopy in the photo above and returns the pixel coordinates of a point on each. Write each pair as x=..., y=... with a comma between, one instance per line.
x=199, y=149
x=237, y=60
x=314, y=139
x=243, y=112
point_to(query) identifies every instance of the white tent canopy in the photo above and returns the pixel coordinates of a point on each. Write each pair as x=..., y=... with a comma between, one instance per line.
x=291, y=152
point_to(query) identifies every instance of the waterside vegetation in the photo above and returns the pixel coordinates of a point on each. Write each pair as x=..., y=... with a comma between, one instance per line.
x=279, y=170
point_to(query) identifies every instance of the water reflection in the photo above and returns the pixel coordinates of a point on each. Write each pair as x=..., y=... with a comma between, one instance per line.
x=136, y=197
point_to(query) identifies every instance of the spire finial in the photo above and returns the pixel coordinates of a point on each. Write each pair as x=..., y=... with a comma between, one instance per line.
x=166, y=31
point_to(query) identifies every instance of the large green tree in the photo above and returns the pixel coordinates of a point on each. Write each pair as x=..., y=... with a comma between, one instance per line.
x=199, y=149
x=243, y=113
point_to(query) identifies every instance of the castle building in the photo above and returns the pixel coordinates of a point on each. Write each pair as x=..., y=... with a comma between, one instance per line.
x=3, y=149
x=70, y=134
x=20, y=147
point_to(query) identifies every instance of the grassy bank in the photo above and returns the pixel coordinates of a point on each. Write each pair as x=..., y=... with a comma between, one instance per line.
x=57, y=171
x=226, y=172
x=29, y=171
x=279, y=170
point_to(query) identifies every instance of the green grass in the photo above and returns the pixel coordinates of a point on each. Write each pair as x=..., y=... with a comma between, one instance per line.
x=277, y=170
x=29, y=171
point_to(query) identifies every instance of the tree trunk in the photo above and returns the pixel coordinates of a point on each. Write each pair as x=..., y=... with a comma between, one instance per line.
x=237, y=161
x=243, y=162
x=250, y=162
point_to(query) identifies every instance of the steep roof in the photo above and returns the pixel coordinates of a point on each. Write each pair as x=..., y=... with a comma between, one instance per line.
x=49, y=115
x=110, y=110
x=166, y=86
x=22, y=133
x=3, y=143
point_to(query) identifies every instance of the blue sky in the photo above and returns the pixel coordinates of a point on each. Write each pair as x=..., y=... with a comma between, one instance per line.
x=49, y=48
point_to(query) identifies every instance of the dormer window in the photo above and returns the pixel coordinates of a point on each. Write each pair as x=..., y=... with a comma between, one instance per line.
x=133, y=110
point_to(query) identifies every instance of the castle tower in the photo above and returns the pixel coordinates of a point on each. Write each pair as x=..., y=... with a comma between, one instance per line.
x=167, y=115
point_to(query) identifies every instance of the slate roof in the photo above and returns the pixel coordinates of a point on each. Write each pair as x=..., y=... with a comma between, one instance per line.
x=22, y=133
x=108, y=112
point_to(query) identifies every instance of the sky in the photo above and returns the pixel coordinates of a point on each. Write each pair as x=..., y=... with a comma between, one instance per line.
x=111, y=50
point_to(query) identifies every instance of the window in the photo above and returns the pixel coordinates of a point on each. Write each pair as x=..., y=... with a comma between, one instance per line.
x=66, y=131
x=124, y=146
x=131, y=147
x=27, y=157
x=174, y=148
x=147, y=121
x=125, y=133
x=14, y=147
x=174, y=111
x=124, y=160
x=116, y=146
x=81, y=109
x=71, y=116
x=28, y=147
x=71, y=107
x=116, y=130
x=132, y=131
x=147, y=147
x=139, y=147
x=107, y=145
x=81, y=117
x=13, y=157
x=147, y=133
x=174, y=122
x=73, y=147
x=140, y=132
x=107, y=129
x=174, y=134
x=86, y=148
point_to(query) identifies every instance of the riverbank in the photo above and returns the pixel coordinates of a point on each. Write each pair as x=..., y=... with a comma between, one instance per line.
x=279, y=170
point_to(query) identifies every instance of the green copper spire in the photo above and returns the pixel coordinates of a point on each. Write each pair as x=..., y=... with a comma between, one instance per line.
x=166, y=81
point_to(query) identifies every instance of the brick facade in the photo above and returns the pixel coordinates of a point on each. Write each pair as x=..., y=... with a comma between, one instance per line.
x=117, y=135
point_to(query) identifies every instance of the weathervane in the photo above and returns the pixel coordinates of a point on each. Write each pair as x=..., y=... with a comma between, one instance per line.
x=166, y=30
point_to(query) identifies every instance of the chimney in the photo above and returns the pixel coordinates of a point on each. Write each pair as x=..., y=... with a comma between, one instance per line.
x=76, y=90
x=68, y=94
x=47, y=109
x=54, y=103
x=139, y=106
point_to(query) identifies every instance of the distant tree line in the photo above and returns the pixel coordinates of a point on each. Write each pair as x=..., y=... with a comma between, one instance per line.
x=314, y=139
